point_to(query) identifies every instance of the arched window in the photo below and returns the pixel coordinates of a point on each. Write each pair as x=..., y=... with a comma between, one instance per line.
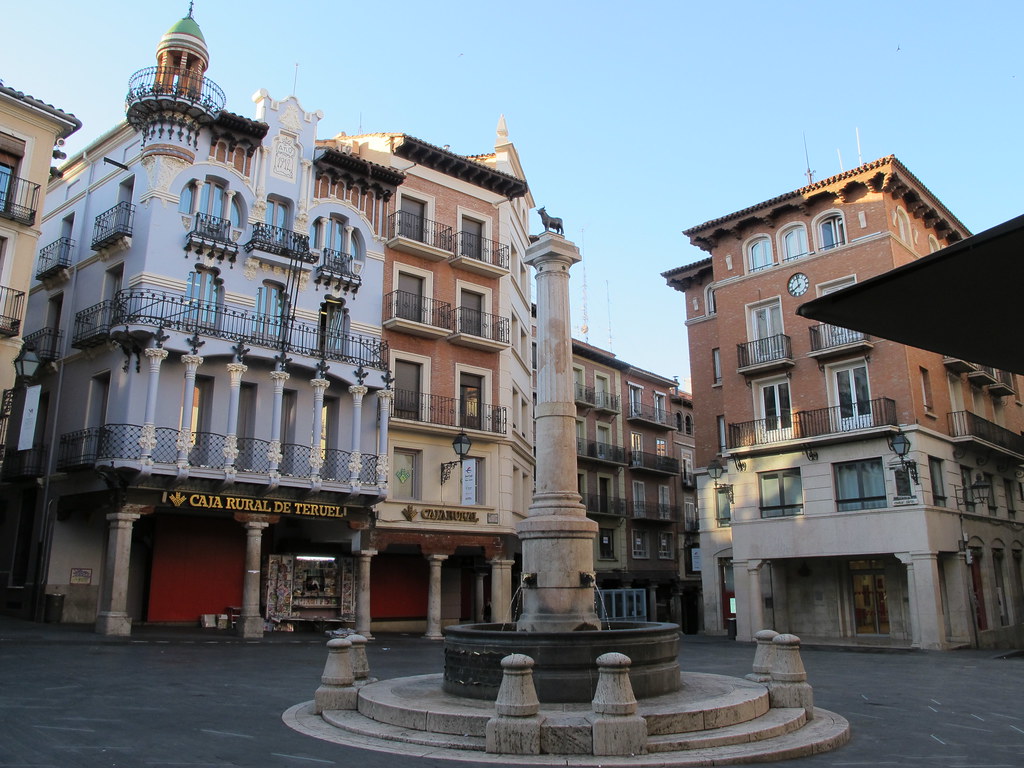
x=679, y=421
x=831, y=232
x=203, y=296
x=794, y=243
x=759, y=254
x=213, y=203
x=903, y=227
x=710, y=301
x=278, y=213
x=933, y=244
x=688, y=425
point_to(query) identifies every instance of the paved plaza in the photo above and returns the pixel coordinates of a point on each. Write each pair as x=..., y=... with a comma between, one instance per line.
x=196, y=698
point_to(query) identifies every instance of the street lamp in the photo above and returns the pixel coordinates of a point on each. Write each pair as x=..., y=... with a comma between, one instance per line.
x=900, y=445
x=27, y=362
x=461, y=445
x=716, y=470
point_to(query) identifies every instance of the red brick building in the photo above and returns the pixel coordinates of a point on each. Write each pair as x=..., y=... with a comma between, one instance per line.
x=816, y=525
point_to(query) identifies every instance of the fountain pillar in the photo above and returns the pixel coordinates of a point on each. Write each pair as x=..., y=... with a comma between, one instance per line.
x=557, y=537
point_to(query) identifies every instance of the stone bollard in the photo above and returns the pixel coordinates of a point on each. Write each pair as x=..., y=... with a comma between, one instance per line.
x=617, y=728
x=515, y=730
x=336, y=689
x=788, y=686
x=360, y=664
x=763, y=656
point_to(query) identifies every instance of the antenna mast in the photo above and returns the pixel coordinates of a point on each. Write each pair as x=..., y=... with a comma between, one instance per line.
x=859, y=160
x=608, y=299
x=808, y=173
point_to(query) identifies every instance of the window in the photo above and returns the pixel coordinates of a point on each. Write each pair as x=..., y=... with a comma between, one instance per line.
x=635, y=400
x=268, y=319
x=407, y=389
x=1011, y=506
x=926, y=389
x=660, y=447
x=641, y=545
x=203, y=294
x=606, y=543
x=767, y=342
x=411, y=218
x=832, y=231
x=334, y=327
x=860, y=485
x=278, y=213
x=409, y=298
x=471, y=238
x=213, y=201
x=933, y=244
x=471, y=313
x=852, y=397
x=794, y=243
x=903, y=227
x=688, y=425
x=664, y=545
x=639, y=499
x=406, y=474
x=690, y=516
x=782, y=493
x=716, y=365
x=904, y=489
x=937, y=481
x=759, y=254
x=775, y=408
x=471, y=400
x=660, y=407
x=723, y=507
x=993, y=506
x=664, y=502
x=720, y=429
x=711, y=300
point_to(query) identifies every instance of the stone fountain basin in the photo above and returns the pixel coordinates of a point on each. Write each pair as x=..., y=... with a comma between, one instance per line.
x=565, y=668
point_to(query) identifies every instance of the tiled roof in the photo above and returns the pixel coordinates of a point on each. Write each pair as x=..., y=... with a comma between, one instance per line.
x=60, y=114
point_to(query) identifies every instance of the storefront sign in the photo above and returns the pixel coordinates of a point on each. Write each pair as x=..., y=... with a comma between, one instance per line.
x=248, y=504
x=469, y=482
x=29, y=413
x=441, y=515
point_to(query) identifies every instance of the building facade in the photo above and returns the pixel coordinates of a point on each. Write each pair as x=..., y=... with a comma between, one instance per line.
x=212, y=417
x=851, y=488
x=630, y=438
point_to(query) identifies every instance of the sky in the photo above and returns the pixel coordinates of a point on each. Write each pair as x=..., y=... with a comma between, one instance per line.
x=634, y=121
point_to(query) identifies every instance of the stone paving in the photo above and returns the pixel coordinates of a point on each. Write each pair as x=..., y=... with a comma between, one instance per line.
x=196, y=698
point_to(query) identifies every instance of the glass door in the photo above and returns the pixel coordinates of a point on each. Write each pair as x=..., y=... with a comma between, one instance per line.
x=870, y=610
x=853, y=397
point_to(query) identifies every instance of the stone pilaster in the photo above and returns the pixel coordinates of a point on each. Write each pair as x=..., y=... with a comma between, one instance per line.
x=192, y=363
x=250, y=623
x=113, y=618
x=235, y=371
x=147, y=441
x=434, y=598
x=274, y=451
x=363, y=618
x=385, y=397
x=358, y=392
x=316, y=454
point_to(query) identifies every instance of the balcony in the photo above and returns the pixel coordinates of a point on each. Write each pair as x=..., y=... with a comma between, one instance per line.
x=92, y=325
x=171, y=89
x=419, y=237
x=649, y=414
x=417, y=315
x=688, y=479
x=211, y=236
x=1003, y=384
x=598, y=451
x=828, y=341
x=480, y=255
x=479, y=330
x=956, y=365
x=54, y=258
x=46, y=342
x=19, y=200
x=338, y=270
x=585, y=397
x=965, y=427
x=175, y=312
x=604, y=505
x=24, y=465
x=113, y=226
x=644, y=510
x=767, y=354
x=606, y=402
x=448, y=412
x=652, y=462
x=820, y=422
x=12, y=306
x=280, y=242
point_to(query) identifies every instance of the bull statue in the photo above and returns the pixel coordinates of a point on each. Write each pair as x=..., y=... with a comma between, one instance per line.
x=551, y=223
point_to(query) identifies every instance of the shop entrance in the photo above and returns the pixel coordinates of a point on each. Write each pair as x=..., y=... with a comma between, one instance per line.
x=871, y=612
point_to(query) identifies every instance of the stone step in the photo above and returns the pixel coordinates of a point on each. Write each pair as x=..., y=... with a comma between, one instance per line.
x=358, y=725
x=774, y=723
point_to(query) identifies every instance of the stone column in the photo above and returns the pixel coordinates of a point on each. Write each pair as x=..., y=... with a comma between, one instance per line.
x=192, y=363
x=755, y=597
x=235, y=371
x=316, y=454
x=501, y=590
x=434, y=598
x=478, y=597
x=113, y=618
x=147, y=441
x=384, y=398
x=557, y=537
x=355, y=464
x=274, y=451
x=363, y=617
x=250, y=624
x=927, y=622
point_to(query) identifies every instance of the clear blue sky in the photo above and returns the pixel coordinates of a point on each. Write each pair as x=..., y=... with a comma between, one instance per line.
x=634, y=120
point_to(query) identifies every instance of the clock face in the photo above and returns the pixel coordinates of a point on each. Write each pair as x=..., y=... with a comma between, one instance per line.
x=798, y=284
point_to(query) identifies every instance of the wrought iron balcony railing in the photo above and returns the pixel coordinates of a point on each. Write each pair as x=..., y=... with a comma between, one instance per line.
x=24, y=465
x=593, y=449
x=967, y=424
x=212, y=228
x=830, y=336
x=863, y=414
x=653, y=462
x=12, y=306
x=649, y=413
x=54, y=257
x=174, y=83
x=761, y=351
x=606, y=401
x=46, y=342
x=482, y=324
x=403, y=305
x=19, y=199
x=112, y=225
x=92, y=325
x=180, y=313
x=474, y=246
x=650, y=510
x=280, y=242
x=584, y=394
x=605, y=505
x=406, y=225
x=448, y=411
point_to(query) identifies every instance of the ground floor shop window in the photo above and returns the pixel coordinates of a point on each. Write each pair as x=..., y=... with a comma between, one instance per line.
x=310, y=587
x=870, y=609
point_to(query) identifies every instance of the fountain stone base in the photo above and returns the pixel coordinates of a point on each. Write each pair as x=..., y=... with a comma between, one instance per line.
x=565, y=667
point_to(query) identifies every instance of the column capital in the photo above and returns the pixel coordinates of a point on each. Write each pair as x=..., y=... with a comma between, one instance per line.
x=755, y=565
x=554, y=250
x=500, y=563
x=366, y=552
x=192, y=361
x=238, y=368
x=255, y=525
x=279, y=377
x=433, y=558
x=358, y=390
x=319, y=384
x=155, y=354
x=385, y=394
x=253, y=518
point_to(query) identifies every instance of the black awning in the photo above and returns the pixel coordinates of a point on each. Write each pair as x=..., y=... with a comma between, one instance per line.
x=965, y=301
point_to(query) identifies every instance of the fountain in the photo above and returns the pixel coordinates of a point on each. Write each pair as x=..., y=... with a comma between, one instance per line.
x=565, y=685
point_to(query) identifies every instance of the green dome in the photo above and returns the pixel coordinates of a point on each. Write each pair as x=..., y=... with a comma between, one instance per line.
x=187, y=26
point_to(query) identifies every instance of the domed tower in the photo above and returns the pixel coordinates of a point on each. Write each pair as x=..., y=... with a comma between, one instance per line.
x=171, y=102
